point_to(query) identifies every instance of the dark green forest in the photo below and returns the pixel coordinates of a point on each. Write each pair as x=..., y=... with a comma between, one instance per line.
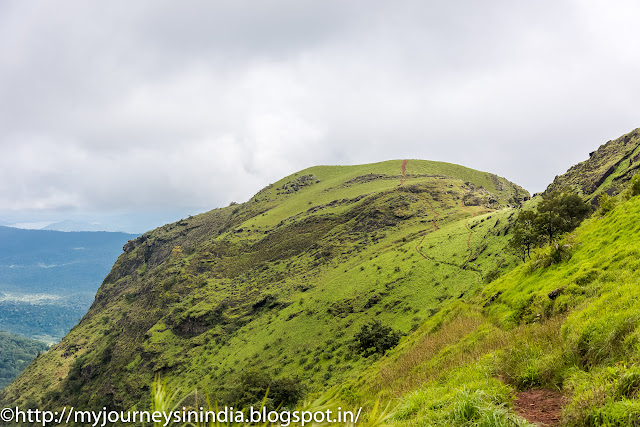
x=16, y=353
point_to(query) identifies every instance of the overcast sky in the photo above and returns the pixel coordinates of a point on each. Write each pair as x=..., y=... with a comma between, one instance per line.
x=157, y=107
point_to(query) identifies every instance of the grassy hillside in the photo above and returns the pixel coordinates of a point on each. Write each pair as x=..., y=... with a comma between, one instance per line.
x=571, y=325
x=281, y=283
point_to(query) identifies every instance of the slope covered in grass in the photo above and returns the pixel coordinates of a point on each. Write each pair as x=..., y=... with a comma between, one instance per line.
x=569, y=323
x=280, y=283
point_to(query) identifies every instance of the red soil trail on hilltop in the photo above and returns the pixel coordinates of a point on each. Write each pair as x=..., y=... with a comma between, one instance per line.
x=404, y=171
x=403, y=168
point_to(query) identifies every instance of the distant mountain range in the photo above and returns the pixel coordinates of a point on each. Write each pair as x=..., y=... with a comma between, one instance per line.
x=16, y=353
x=71, y=225
x=132, y=222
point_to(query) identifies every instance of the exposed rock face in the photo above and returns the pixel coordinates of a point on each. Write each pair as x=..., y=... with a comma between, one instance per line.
x=606, y=171
x=298, y=183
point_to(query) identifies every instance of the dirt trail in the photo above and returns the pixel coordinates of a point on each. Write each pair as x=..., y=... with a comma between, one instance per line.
x=435, y=216
x=541, y=406
x=404, y=171
x=418, y=247
x=403, y=168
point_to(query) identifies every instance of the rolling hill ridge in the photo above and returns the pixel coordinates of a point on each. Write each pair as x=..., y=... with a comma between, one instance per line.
x=280, y=283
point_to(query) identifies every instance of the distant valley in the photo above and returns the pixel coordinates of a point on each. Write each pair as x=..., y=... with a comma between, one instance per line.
x=48, y=279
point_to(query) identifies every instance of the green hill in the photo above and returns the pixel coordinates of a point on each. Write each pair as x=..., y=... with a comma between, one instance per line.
x=287, y=285
x=281, y=283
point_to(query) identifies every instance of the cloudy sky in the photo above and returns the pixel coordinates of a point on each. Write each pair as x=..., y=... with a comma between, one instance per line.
x=157, y=109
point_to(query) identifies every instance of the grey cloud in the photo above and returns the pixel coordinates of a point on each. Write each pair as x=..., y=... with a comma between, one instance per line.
x=137, y=106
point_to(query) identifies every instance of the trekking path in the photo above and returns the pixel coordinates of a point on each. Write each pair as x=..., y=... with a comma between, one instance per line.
x=435, y=216
x=542, y=406
x=435, y=228
x=418, y=249
x=403, y=168
x=466, y=223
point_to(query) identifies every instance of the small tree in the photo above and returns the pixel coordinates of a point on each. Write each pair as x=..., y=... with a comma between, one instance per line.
x=525, y=235
x=607, y=203
x=254, y=385
x=374, y=337
x=560, y=212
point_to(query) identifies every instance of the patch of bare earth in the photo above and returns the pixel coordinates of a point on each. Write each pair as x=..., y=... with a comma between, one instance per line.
x=403, y=168
x=541, y=406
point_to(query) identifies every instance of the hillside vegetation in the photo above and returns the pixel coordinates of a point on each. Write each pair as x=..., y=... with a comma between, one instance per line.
x=280, y=284
x=571, y=326
x=565, y=320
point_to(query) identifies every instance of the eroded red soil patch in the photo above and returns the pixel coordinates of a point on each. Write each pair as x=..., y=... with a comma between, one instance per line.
x=404, y=171
x=541, y=406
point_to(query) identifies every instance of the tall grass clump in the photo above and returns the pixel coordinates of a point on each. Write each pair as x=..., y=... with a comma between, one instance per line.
x=461, y=406
x=604, y=396
x=606, y=331
x=466, y=396
x=533, y=358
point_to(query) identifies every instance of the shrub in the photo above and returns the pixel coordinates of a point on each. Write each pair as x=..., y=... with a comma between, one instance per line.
x=254, y=385
x=607, y=203
x=375, y=338
x=553, y=254
x=634, y=185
